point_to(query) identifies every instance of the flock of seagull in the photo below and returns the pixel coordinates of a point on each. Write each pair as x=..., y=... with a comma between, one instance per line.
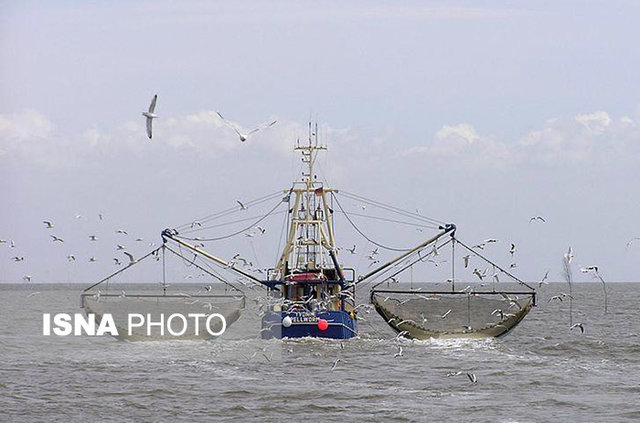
x=243, y=135
x=73, y=257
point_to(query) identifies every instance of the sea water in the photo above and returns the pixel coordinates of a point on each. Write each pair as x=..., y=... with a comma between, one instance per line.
x=542, y=371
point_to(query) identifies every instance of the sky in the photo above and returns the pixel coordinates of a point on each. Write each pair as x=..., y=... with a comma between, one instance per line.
x=482, y=113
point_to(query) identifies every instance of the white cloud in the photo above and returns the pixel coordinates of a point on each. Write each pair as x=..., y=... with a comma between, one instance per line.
x=31, y=138
x=595, y=122
x=584, y=139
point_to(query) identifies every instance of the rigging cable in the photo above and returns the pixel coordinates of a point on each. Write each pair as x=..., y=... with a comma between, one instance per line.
x=361, y=233
x=231, y=210
x=210, y=273
x=392, y=208
x=493, y=264
x=235, y=233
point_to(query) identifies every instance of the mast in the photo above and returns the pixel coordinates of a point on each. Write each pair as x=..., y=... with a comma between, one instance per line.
x=311, y=235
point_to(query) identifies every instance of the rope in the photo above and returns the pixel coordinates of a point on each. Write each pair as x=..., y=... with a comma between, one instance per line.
x=235, y=233
x=231, y=210
x=392, y=208
x=361, y=233
x=123, y=269
x=232, y=222
x=212, y=273
x=407, y=266
x=493, y=264
x=384, y=219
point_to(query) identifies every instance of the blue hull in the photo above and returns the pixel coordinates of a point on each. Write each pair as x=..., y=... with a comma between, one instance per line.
x=305, y=324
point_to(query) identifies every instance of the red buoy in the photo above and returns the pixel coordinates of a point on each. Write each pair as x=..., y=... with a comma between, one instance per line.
x=323, y=324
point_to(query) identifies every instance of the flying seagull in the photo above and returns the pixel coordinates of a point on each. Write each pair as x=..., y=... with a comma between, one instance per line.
x=537, y=218
x=243, y=137
x=150, y=115
x=48, y=224
x=543, y=280
x=55, y=238
x=578, y=325
x=569, y=255
x=631, y=241
x=131, y=259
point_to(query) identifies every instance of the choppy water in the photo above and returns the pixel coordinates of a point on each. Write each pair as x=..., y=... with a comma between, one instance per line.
x=542, y=371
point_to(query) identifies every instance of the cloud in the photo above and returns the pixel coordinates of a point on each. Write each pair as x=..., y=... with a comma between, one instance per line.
x=592, y=138
x=24, y=133
x=31, y=138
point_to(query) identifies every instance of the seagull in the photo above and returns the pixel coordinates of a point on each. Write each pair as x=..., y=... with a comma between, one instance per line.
x=537, y=218
x=569, y=255
x=92, y=259
x=631, y=241
x=122, y=231
x=55, y=238
x=150, y=115
x=543, y=280
x=17, y=258
x=196, y=223
x=588, y=269
x=512, y=250
x=120, y=247
x=335, y=364
x=48, y=224
x=27, y=278
x=33, y=293
x=117, y=261
x=444, y=316
x=93, y=237
x=352, y=250
x=399, y=353
x=131, y=259
x=490, y=240
x=243, y=137
x=479, y=246
x=499, y=312
x=242, y=206
x=261, y=229
x=71, y=257
x=555, y=297
x=478, y=274
x=466, y=260
x=472, y=377
x=453, y=374
x=578, y=325
x=392, y=279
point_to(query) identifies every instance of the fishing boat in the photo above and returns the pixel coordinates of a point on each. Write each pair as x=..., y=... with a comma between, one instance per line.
x=311, y=293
